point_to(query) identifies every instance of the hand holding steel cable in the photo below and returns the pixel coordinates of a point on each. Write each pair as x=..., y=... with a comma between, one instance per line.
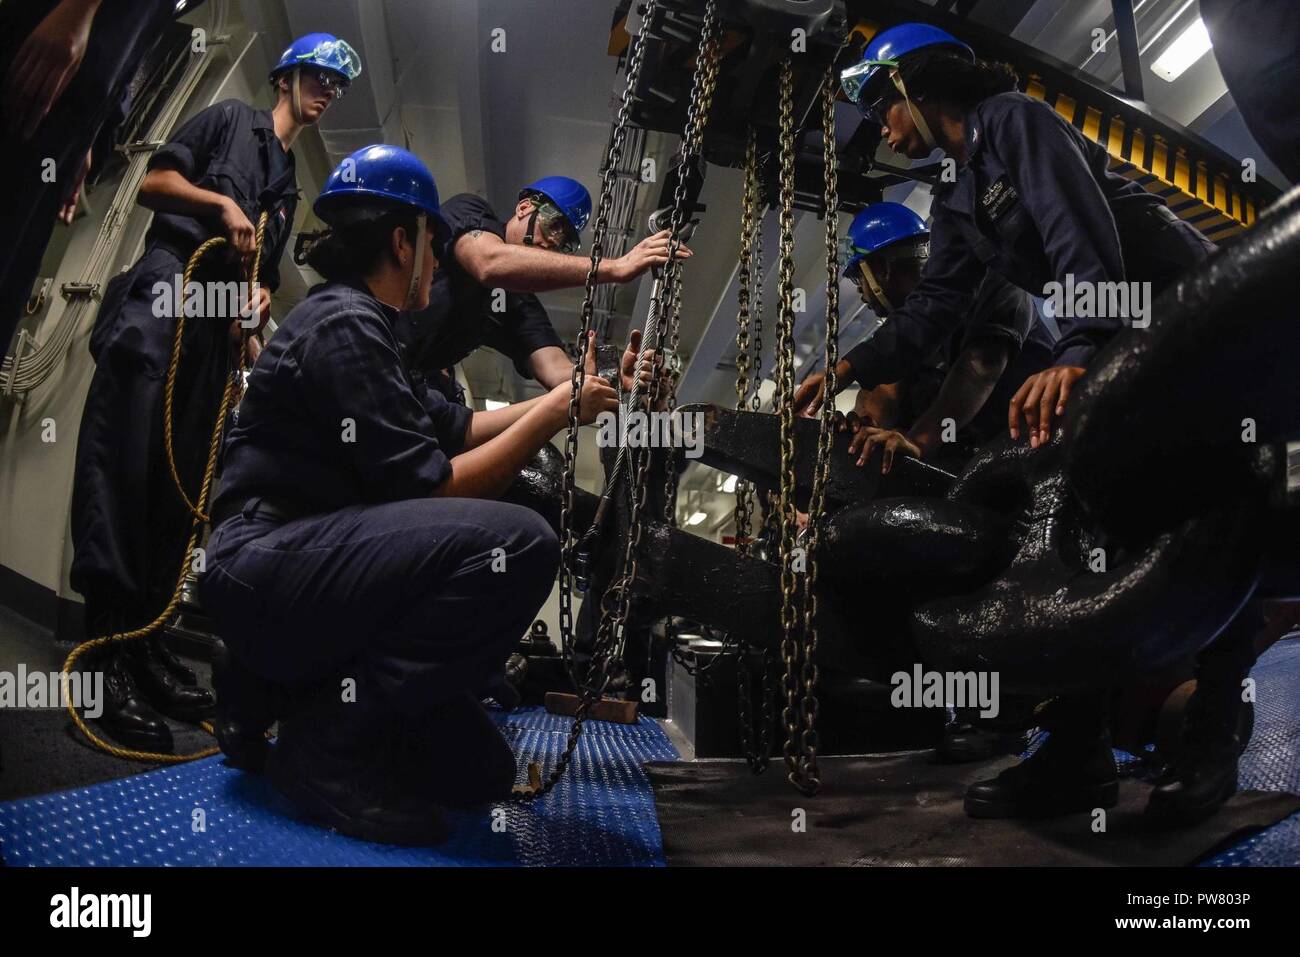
x=197, y=507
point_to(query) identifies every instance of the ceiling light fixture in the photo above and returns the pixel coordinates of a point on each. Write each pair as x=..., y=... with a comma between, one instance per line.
x=1190, y=45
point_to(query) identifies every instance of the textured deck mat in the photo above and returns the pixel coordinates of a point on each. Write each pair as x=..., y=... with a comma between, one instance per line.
x=904, y=810
x=204, y=813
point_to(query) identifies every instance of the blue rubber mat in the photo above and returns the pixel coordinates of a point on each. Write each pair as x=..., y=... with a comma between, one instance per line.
x=1272, y=760
x=203, y=813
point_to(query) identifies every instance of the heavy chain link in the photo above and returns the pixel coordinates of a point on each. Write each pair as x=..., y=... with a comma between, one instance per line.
x=755, y=402
x=745, y=489
x=805, y=775
x=758, y=757
x=787, y=519
x=614, y=604
x=600, y=229
x=691, y=152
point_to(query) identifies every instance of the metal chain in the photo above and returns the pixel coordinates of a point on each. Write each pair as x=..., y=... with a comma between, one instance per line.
x=610, y=632
x=805, y=776
x=692, y=145
x=758, y=758
x=600, y=228
x=756, y=403
x=745, y=489
x=785, y=407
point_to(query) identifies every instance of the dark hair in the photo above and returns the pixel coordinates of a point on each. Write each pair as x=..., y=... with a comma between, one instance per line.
x=355, y=248
x=944, y=75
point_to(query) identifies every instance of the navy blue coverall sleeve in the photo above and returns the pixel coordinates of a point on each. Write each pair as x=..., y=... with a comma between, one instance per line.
x=1068, y=209
x=190, y=147
x=351, y=371
x=927, y=318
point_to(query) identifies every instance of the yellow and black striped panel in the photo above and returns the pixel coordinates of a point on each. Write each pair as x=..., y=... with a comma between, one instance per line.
x=1201, y=190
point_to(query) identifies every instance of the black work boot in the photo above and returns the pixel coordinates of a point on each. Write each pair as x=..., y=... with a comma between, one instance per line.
x=340, y=763
x=178, y=669
x=1074, y=770
x=127, y=718
x=246, y=706
x=456, y=755
x=1216, y=729
x=506, y=688
x=160, y=687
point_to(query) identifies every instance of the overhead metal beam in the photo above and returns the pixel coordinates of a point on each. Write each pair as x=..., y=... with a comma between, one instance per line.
x=1130, y=58
x=471, y=93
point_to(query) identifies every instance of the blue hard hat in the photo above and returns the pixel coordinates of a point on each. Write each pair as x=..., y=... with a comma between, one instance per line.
x=878, y=226
x=323, y=51
x=885, y=50
x=386, y=174
x=569, y=195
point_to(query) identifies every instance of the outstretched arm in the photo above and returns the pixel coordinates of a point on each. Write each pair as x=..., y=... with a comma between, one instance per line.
x=495, y=263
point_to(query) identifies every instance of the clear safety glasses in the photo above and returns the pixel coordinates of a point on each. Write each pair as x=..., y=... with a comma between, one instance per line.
x=555, y=228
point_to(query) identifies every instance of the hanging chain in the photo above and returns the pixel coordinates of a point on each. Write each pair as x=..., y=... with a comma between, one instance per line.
x=600, y=228
x=755, y=403
x=691, y=152
x=745, y=489
x=610, y=631
x=785, y=407
x=758, y=757
x=805, y=775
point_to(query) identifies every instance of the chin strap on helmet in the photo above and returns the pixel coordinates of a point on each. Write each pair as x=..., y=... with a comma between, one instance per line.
x=296, y=99
x=532, y=224
x=869, y=276
x=918, y=120
x=417, y=266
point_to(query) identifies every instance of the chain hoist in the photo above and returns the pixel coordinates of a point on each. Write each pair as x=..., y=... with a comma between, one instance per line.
x=614, y=604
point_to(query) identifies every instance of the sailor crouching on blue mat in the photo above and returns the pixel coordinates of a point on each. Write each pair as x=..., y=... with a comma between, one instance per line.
x=356, y=543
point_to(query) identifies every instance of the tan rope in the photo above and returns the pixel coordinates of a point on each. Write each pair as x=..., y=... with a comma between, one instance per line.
x=197, y=511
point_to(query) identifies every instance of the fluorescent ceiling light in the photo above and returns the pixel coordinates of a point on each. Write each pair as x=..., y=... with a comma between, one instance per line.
x=1192, y=44
x=491, y=405
x=696, y=518
x=729, y=485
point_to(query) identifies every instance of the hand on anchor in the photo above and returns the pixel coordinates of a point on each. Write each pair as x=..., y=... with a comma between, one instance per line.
x=866, y=439
x=1042, y=396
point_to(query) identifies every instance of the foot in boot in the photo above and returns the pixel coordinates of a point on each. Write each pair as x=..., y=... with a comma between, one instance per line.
x=456, y=755
x=127, y=718
x=963, y=742
x=160, y=687
x=504, y=688
x=178, y=669
x=1204, y=776
x=340, y=764
x=1061, y=777
x=245, y=711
